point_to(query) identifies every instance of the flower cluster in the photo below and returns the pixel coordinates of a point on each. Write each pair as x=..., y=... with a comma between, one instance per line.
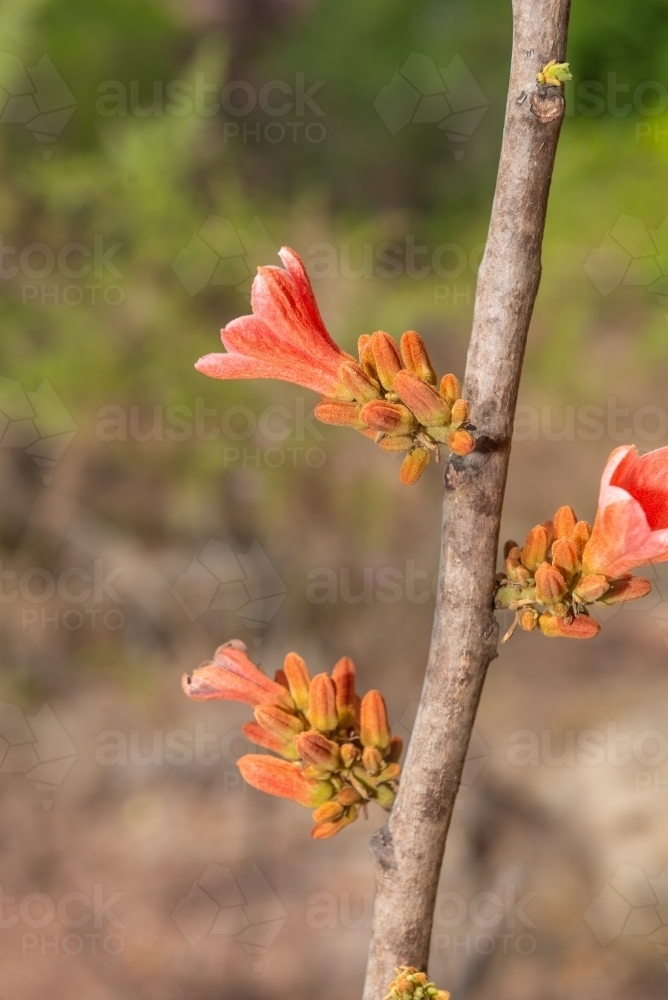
x=565, y=566
x=335, y=751
x=389, y=393
x=409, y=984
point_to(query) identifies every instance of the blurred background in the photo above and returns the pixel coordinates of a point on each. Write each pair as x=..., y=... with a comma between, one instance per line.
x=153, y=153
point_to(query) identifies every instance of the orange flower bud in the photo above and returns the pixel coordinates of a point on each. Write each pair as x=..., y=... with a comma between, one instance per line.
x=564, y=522
x=367, y=359
x=349, y=754
x=299, y=680
x=581, y=535
x=357, y=382
x=591, y=588
x=278, y=723
x=328, y=811
x=450, y=389
x=397, y=443
x=385, y=796
x=391, y=418
x=535, y=548
x=343, y=676
x=386, y=356
x=282, y=778
x=565, y=557
x=528, y=619
x=396, y=749
x=214, y=681
x=389, y=773
x=549, y=527
x=348, y=796
x=414, y=465
x=363, y=342
x=416, y=357
x=460, y=412
x=429, y=408
x=581, y=627
x=316, y=750
x=627, y=590
x=256, y=734
x=374, y=727
x=322, y=831
x=461, y=442
x=550, y=584
x=339, y=414
x=372, y=759
x=322, y=704
x=516, y=572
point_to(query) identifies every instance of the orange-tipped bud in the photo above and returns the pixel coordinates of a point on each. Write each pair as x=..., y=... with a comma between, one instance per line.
x=374, y=727
x=460, y=412
x=461, y=442
x=508, y=548
x=450, y=389
x=564, y=522
x=528, y=619
x=322, y=831
x=396, y=749
x=349, y=754
x=416, y=358
x=212, y=681
x=348, y=796
x=581, y=535
x=256, y=734
x=316, y=750
x=363, y=342
x=414, y=465
x=550, y=584
x=580, y=627
x=278, y=723
x=397, y=443
x=385, y=796
x=367, y=359
x=534, y=551
x=549, y=527
x=322, y=704
x=286, y=780
x=343, y=676
x=389, y=773
x=386, y=357
x=516, y=572
x=339, y=414
x=372, y=759
x=565, y=557
x=357, y=382
x=591, y=588
x=299, y=680
x=627, y=590
x=328, y=812
x=390, y=418
x=429, y=408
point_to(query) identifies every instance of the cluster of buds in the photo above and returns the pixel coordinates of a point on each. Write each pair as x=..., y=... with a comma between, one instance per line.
x=335, y=752
x=549, y=584
x=409, y=984
x=396, y=403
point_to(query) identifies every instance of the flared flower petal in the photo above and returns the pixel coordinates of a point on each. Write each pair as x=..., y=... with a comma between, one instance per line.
x=631, y=526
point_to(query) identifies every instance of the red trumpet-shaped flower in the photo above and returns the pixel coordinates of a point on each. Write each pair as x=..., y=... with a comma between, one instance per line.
x=335, y=753
x=631, y=526
x=390, y=395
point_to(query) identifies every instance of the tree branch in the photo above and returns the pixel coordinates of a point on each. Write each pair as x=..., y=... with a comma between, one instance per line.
x=409, y=851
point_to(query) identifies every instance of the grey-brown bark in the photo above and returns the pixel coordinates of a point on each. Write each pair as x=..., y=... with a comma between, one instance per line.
x=409, y=851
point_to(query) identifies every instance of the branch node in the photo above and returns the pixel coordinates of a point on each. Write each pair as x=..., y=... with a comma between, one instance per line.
x=547, y=106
